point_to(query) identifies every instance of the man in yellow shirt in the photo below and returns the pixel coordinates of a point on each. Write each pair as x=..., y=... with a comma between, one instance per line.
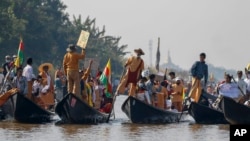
x=71, y=68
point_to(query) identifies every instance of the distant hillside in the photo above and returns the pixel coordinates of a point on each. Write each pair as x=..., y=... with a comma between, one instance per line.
x=217, y=72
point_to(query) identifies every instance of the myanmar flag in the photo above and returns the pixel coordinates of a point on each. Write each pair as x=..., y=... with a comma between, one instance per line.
x=19, y=59
x=105, y=79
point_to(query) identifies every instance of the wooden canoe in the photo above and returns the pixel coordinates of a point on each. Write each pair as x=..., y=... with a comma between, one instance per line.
x=139, y=112
x=235, y=113
x=27, y=111
x=203, y=113
x=72, y=109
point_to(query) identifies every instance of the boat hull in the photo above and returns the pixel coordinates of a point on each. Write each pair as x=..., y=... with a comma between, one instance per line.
x=234, y=112
x=27, y=111
x=72, y=109
x=205, y=115
x=140, y=112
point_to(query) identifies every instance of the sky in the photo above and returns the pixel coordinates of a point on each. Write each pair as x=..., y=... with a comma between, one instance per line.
x=220, y=28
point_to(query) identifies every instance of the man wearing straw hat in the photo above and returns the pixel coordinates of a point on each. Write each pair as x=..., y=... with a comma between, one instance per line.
x=134, y=66
x=71, y=68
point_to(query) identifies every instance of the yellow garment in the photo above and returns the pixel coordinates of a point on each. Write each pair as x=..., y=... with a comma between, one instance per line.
x=132, y=64
x=89, y=95
x=160, y=100
x=164, y=91
x=84, y=78
x=195, y=91
x=86, y=74
x=177, y=89
x=71, y=60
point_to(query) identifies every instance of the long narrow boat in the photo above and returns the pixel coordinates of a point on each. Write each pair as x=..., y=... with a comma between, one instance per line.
x=29, y=112
x=139, y=112
x=202, y=113
x=235, y=113
x=72, y=109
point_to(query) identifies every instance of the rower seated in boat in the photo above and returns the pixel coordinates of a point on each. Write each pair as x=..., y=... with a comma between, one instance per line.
x=141, y=91
x=106, y=104
x=229, y=88
x=37, y=91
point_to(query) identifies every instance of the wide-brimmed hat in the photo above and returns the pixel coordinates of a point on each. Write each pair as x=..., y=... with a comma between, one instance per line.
x=40, y=68
x=71, y=48
x=139, y=51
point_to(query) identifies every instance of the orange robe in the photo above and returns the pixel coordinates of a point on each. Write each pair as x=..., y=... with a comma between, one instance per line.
x=49, y=97
x=177, y=98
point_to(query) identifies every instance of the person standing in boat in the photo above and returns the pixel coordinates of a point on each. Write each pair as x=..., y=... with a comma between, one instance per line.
x=20, y=82
x=48, y=95
x=134, y=65
x=177, y=94
x=71, y=69
x=199, y=70
x=28, y=74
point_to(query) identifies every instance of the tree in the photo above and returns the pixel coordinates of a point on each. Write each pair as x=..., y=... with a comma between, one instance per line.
x=46, y=31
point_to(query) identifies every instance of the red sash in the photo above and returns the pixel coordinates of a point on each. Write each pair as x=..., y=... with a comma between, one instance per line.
x=132, y=76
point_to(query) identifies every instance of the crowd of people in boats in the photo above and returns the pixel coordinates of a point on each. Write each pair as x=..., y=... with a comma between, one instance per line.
x=46, y=90
x=167, y=94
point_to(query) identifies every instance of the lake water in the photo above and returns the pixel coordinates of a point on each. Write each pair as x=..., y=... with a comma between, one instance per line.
x=118, y=129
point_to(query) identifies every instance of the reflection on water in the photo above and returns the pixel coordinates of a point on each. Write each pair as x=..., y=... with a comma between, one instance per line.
x=119, y=129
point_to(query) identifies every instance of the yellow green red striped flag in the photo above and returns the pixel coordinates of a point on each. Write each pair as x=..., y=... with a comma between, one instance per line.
x=19, y=59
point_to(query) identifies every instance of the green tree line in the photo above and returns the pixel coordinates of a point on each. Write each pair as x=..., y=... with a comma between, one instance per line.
x=46, y=30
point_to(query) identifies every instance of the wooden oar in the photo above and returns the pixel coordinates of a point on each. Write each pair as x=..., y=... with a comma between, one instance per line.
x=114, y=97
